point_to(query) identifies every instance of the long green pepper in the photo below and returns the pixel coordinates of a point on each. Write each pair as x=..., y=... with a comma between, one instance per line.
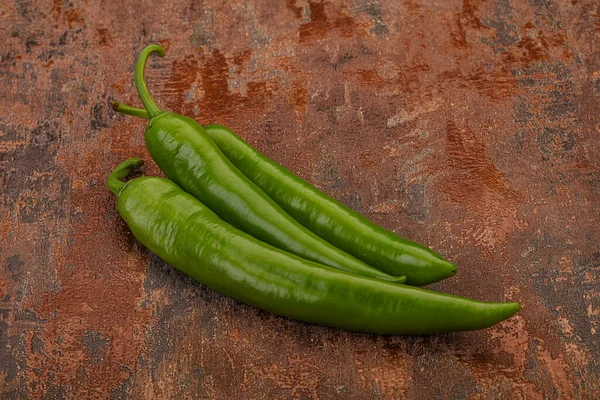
x=189, y=236
x=338, y=224
x=190, y=158
x=318, y=212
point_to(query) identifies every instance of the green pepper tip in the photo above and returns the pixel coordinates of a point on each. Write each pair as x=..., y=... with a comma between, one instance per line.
x=507, y=310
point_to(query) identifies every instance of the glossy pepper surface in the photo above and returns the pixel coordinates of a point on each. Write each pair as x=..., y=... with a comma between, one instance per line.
x=330, y=219
x=189, y=236
x=189, y=157
x=326, y=217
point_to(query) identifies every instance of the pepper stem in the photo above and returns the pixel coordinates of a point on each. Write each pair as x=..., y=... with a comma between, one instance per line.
x=115, y=179
x=140, y=83
x=128, y=110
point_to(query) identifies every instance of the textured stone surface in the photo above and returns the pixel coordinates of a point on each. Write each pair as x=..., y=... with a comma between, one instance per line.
x=472, y=127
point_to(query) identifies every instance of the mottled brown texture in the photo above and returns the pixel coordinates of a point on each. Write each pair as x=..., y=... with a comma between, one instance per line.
x=472, y=127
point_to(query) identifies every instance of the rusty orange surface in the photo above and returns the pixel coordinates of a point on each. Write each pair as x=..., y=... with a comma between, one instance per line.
x=472, y=127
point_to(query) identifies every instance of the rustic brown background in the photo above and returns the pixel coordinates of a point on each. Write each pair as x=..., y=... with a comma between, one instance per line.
x=472, y=127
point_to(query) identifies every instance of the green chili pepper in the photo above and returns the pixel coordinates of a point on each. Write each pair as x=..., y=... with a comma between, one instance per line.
x=328, y=218
x=189, y=157
x=189, y=236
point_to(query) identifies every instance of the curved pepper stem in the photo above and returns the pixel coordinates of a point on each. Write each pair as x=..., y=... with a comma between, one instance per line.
x=115, y=179
x=128, y=110
x=140, y=83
